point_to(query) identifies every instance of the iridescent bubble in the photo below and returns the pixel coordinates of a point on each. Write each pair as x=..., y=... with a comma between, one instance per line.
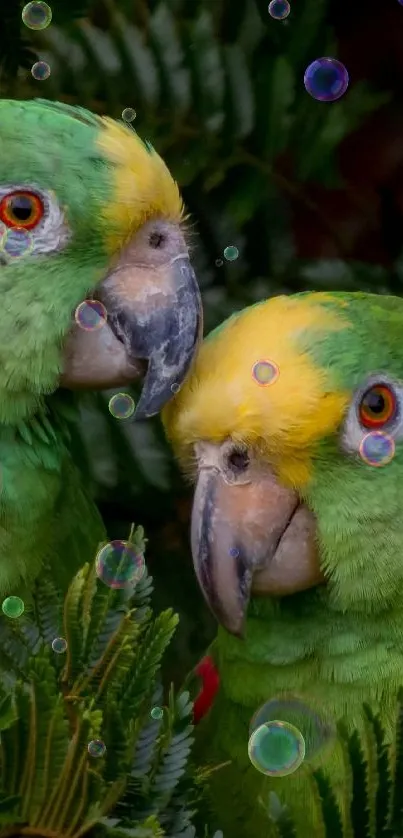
x=326, y=79
x=121, y=406
x=377, y=448
x=40, y=71
x=276, y=749
x=59, y=645
x=231, y=253
x=265, y=372
x=36, y=15
x=118, y=565
x=279, y=9
x=129, y=114
x=315, y=728
x=13, y=607
x=175, y=387
x=234, y=552
x=90, y=315
x=157, y=713
x=17, y=242
x=96, y=748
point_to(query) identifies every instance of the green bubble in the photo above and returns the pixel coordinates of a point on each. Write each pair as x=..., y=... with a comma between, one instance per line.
x=276, y=749
x=121, y=406
x=36, y=15
x=231, y=253
x=129, y=114
x=13, y=607
x=157, y=713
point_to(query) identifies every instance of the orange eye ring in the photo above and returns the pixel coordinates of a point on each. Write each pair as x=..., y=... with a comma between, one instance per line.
x=377, y=407
x=21, y=208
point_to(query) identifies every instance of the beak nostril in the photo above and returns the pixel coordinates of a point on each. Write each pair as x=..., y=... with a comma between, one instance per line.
x=238, y=460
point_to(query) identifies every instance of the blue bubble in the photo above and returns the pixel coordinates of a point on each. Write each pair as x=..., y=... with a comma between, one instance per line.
x=326, y=79
x=279, y=9
x=377, y=448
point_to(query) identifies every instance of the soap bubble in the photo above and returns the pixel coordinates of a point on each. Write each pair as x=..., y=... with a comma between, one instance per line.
x=326, y=79
x=219, y=263
x=315, y=728
x=265, y=372
x=276, y=749
x=59, y=645
x=157, y=713
x=279, y=9
x=234, y=552
x=175, y=387
x=90, y=315
x=40, y=71
x=377, y=448
x=129, y=114
x=96, y=748
x=13, y=607
x=121, y=406
x=36, y=15
x=17, y=242
x=118, y=565
x=231, y=253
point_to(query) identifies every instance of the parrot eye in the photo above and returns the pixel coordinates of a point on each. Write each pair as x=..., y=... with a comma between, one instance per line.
x=377, y=407
x=21, y=209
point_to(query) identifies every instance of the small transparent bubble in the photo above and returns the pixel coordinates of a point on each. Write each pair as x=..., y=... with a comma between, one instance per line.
x=234, y=552
x=40, y=71
x=276, y=749
x=36, y=15
x=90, y=315
x=118, y=565
x=157, y=713
x=219, y=263
x=231, y=253
x=265, y=372
x=377, y=448
x=13, y=607
x=96, y=748
x=17, y=242
x=326, y=79
x=175, y=387
x=59, y=645
x=121, y=406
x=129, y=114
x=279, y=9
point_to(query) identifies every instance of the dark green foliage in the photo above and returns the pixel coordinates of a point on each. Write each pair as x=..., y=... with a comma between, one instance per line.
x=102, y=688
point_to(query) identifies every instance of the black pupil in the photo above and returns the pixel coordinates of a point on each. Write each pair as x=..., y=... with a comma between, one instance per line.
x=238, y=460
x=21, y=207
x=374, y=402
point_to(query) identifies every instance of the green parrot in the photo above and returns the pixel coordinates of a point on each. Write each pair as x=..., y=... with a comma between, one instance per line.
x=96, y=290
x=291, y=425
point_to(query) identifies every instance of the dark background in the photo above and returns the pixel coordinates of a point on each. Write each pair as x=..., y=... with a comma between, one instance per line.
x=310, y=193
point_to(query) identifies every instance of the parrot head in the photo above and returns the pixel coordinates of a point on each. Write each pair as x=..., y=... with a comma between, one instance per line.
x=96, y=284
x=291, y=424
